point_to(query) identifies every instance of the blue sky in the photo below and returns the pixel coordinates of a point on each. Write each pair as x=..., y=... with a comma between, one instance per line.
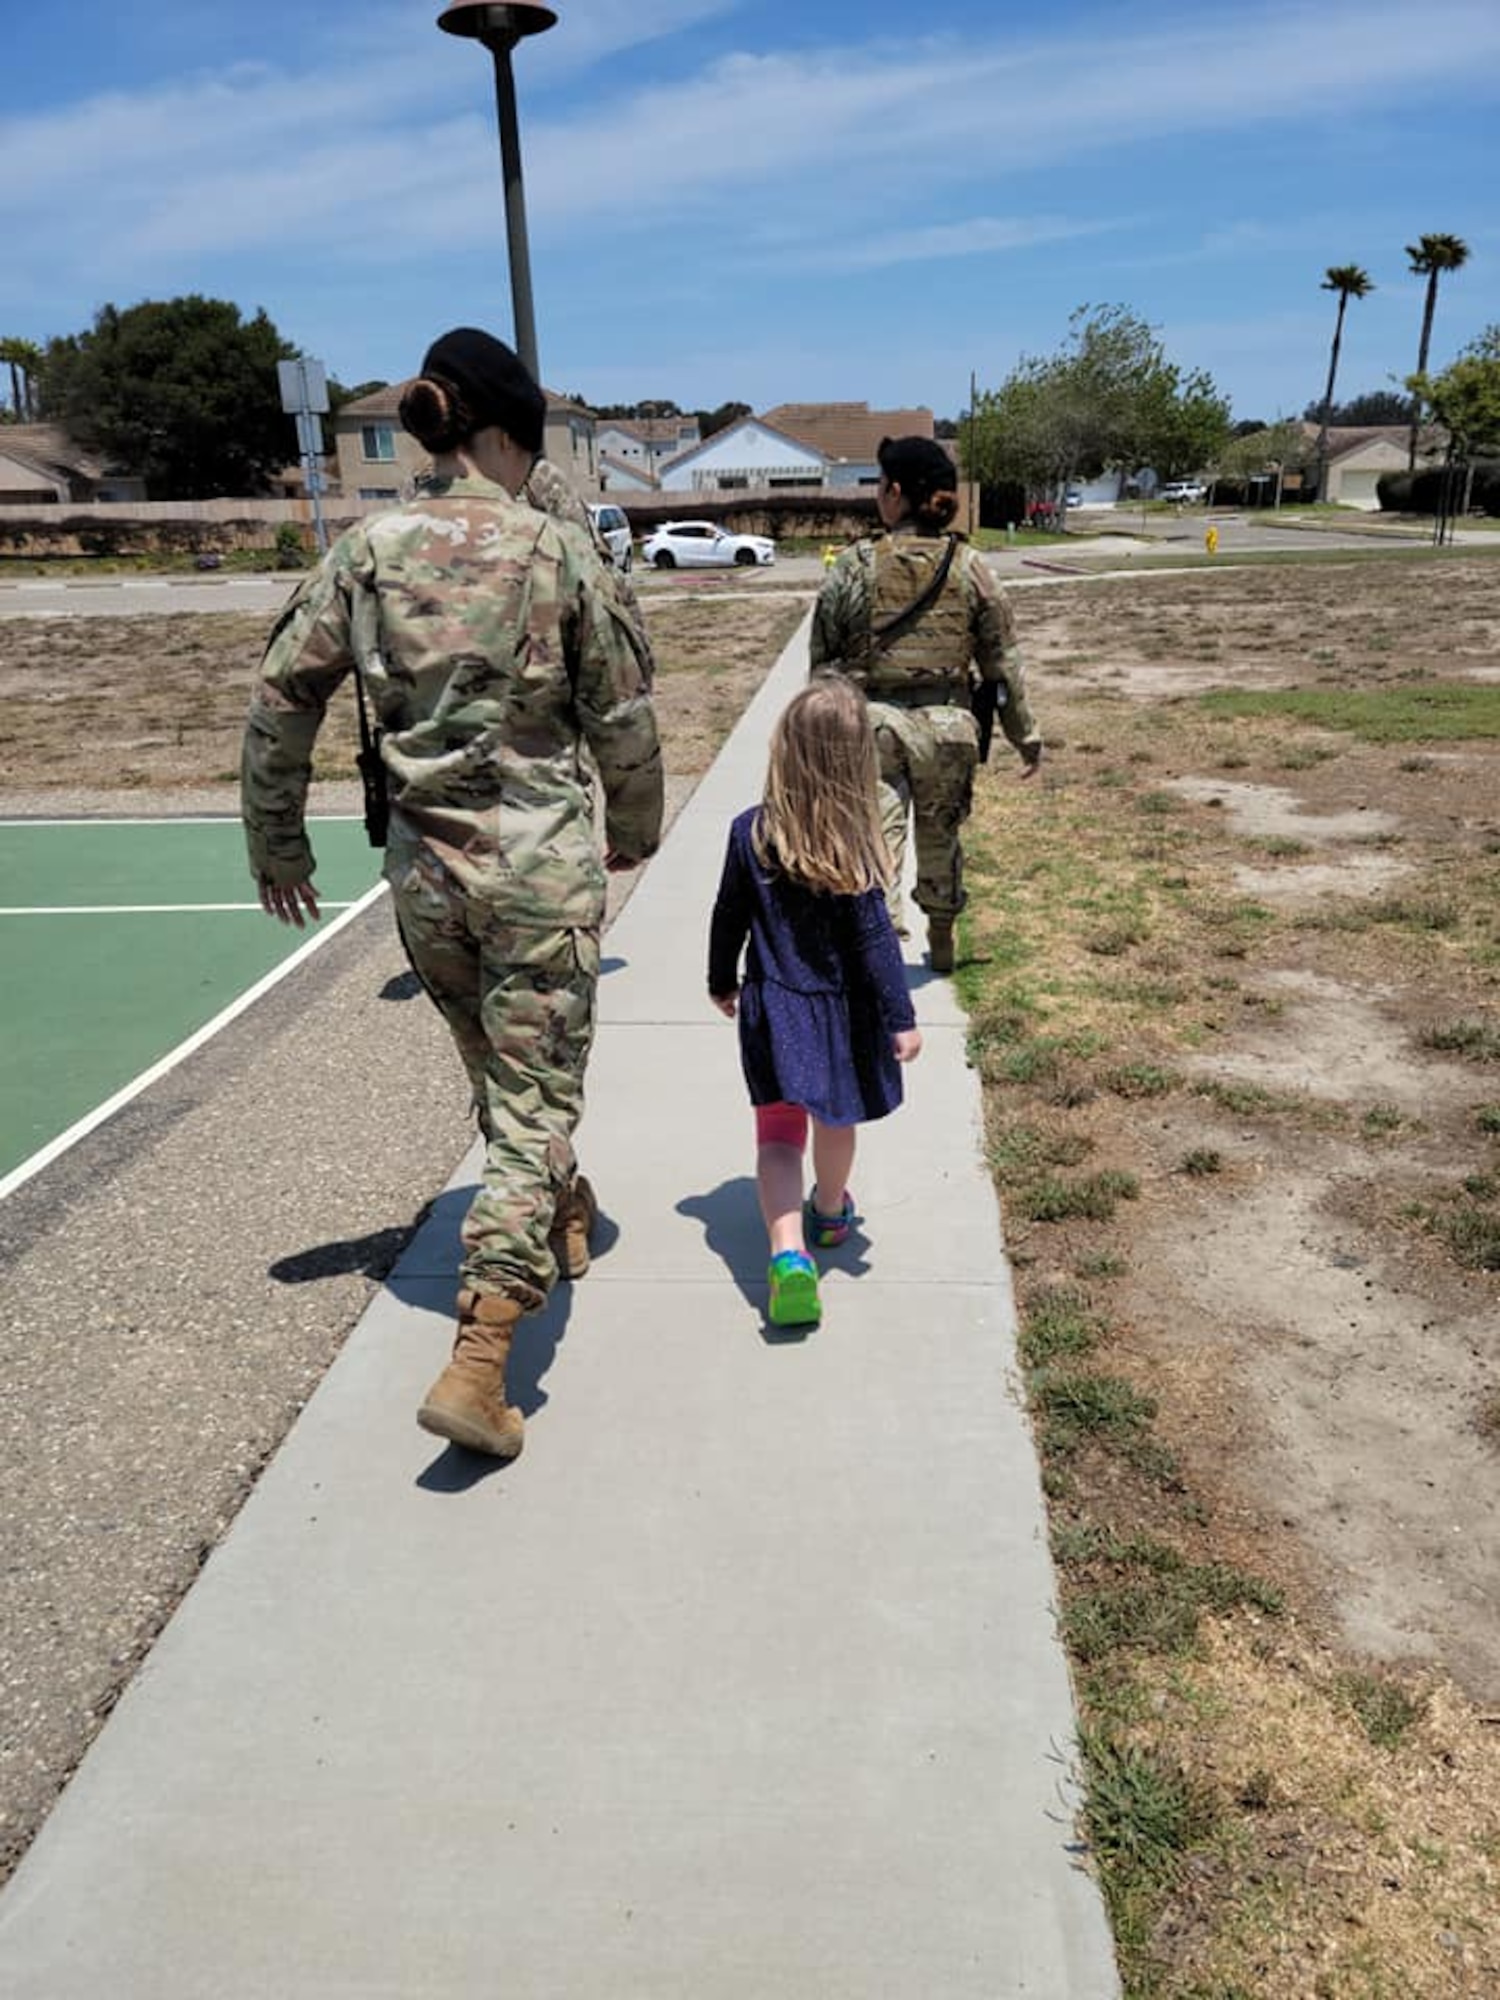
x=770, y=200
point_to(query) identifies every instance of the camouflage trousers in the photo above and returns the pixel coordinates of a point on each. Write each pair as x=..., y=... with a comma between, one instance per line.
x=928, y=757
x=520, y=1005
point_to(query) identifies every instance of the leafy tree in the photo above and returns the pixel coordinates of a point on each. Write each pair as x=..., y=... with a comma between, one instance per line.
x=710, y=422
x=24, y=360
x=1429, y=257
x=1111, y=398
x=1272, y=450
x=1375, y=406
x=1350, y=282
x=1465, y=398
x=182, y=392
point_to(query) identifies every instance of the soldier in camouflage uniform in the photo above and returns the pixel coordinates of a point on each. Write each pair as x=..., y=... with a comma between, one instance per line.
x=503, y=674
x=916, y=670
x=548, y=491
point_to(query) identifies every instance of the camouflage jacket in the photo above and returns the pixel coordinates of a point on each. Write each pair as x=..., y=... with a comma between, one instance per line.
x=548, y=491
x=495, y=660
x=967, y=626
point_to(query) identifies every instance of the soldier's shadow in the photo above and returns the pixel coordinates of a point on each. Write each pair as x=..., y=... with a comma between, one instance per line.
x=538, y=1337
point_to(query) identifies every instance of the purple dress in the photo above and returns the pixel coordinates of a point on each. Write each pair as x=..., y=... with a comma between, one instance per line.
x=824, y=988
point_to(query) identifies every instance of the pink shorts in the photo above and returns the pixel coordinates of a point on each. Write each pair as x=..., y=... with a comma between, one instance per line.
x=781, y=1125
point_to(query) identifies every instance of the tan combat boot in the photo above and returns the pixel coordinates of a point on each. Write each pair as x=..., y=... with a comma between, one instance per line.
x=466, y=1404
x=940, y=943
x=572, y=1226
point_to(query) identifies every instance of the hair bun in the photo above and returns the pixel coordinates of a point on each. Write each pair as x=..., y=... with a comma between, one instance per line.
x=433, y=412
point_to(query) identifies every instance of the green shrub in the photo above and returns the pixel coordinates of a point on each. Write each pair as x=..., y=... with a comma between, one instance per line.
x=291, y=550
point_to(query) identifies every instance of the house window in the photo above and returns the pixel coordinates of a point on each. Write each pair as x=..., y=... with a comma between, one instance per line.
x=377, y=442
x=378, y=493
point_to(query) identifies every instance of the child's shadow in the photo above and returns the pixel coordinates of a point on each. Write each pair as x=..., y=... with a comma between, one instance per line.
x=734, y=1231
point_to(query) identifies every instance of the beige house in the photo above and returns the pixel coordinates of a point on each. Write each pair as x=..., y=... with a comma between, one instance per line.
x=1359, y=454
x=40, y=465
x=379, y=462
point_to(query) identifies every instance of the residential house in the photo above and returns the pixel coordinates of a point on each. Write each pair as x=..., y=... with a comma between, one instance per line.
x=639, y=446
x=1359, y=454
x=847, y=435
x=379, y=461
x=617, y=476
x=40, y=465
x=812, y=446
x=746, y=456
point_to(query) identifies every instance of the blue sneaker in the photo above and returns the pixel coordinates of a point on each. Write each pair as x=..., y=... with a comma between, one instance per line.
x=827, y=1232
x=794, y=1290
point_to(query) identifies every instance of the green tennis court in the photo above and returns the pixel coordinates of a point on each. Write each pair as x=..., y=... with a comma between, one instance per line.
x=119, y=940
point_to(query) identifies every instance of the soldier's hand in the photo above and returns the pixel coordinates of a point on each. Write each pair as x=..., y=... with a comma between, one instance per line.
x=286, y=901
x=619, y=864
x=1031, y=757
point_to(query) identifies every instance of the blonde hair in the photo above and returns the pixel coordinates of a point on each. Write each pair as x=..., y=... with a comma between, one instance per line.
x=820, y=820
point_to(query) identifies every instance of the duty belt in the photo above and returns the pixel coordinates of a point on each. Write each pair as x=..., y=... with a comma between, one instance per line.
x=945, y=694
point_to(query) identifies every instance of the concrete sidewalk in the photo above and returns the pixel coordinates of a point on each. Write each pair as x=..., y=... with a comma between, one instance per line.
x=741, y=1682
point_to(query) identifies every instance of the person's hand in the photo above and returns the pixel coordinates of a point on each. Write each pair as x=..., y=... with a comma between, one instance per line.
x=287, y=900
x=907, y=1045
x=1031, y=758
x=619, y=864
x=726, y=1002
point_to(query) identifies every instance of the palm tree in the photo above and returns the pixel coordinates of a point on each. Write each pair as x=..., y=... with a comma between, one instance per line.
x=24, y=359
x=1429, y=257
x=1350, y=282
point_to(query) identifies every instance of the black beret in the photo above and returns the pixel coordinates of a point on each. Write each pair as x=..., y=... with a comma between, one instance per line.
x=495, y=383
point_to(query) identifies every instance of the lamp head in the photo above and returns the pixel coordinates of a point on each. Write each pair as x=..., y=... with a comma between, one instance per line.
x=496, y=26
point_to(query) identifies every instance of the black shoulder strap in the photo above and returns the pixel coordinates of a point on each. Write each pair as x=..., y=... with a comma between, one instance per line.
x=882, y=635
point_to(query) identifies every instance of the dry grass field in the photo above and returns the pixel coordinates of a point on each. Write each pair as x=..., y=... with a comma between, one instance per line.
x=1234, y=978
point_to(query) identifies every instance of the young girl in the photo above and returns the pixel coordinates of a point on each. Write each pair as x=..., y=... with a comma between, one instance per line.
x=825, y=1017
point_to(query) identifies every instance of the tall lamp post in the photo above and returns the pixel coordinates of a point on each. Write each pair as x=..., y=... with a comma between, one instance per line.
x=499, y=29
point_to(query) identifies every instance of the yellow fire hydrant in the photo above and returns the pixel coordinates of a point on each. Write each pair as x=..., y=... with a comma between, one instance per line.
x=1211, y=539
x=830, y=555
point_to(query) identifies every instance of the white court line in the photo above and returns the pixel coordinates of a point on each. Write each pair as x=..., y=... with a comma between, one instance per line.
x=184, y=819
x=138, y=909
x=96, y=1117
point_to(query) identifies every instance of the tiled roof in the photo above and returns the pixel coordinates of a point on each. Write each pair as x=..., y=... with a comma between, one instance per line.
x=846, y=430
x=49, y=446
x=386, y=402
x=1344, y=438
x=650, y=430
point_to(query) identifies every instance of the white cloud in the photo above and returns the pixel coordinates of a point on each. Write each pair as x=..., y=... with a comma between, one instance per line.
x=390, y=151
x=979, y=236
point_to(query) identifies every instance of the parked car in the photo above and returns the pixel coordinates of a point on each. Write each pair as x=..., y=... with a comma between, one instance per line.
x=612, y=526
x=687, y=544
x=1183, y=489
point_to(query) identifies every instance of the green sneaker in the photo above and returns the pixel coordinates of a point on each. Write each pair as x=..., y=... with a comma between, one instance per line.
x=794, y=1290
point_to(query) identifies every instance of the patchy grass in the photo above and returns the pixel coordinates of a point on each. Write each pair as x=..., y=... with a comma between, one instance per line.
x=1433, y=712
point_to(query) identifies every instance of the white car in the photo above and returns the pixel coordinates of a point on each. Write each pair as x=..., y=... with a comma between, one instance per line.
x=1183, y=489
x=689, y=544
x=612, y=526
